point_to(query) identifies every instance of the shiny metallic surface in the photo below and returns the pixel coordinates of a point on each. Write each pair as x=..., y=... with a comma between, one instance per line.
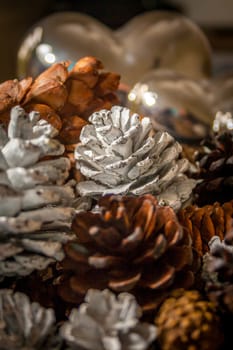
x=174, y=103
x=151, y=40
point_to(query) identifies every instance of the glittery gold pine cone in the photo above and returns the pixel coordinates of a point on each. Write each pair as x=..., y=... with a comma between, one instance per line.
x=187, y=322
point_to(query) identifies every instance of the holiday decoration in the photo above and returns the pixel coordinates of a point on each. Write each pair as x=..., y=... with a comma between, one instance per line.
x=154, y=39
x=186, y=321
x=63, y=98
x=218, y=272
x=119, y=154
x=106, y=322
x=216, y=169
x=175, y=103
x=116, y=224
x=221, y=92
x=25, y=325
x=222, y=122
x=206, y=222
x=35, y=200
x=134, y=245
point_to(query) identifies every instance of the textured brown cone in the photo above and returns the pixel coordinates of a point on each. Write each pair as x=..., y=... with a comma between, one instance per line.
x=205, y=222
x=63, y=98
x=186, y=321
x=216, y=170
x=132, y=245
x=40, y=287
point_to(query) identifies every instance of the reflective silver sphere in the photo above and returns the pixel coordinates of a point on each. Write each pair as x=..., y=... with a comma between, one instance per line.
x=151, y=40
x=175, y=103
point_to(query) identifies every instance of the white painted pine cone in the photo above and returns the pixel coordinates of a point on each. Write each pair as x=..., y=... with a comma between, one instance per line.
x=119, y=154
x=106, y=322
x=35, y=201
x=25, y=325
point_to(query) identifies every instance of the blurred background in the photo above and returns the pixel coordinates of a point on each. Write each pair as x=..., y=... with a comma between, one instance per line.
x=213, y=16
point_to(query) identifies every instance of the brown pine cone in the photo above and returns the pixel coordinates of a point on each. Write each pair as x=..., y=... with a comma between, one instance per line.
x=89, y=89
x=216, y=170
x=133, y=245
x=59, y=95
x=204, y=223
x=12, y=93
x=186, y=321
x=40, y=287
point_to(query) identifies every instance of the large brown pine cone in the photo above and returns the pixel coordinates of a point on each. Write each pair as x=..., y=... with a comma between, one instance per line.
x=63, y=98
x=216, y=170
x=133, y=245
x=205, y=222
x=186, y=321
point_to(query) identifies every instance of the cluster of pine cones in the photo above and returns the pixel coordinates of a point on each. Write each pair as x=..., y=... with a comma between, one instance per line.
x=108, y=238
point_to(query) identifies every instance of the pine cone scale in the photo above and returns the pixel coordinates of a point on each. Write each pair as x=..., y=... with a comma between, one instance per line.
x=124, y=283
x=180, y=257
x=157, y=277
x=105, y=262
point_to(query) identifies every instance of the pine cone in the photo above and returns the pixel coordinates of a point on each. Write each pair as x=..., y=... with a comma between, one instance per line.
x=105, y=322
x=218, y=272
x=24, y=325
x=204, y=223
x=62, y=97
x=121, y=156
x=131, y=245
x=186, y=321
x=216, y=170
x=34, y=199
x=89, y=89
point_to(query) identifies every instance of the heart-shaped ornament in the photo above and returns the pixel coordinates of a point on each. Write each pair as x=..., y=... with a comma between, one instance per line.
x=151, y=40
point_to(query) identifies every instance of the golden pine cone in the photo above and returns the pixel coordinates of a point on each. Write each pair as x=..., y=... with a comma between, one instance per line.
x=133, y=245
x=205, y=222
x=187, y=322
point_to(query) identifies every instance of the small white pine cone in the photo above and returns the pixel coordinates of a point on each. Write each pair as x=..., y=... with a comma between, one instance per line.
x=25, y=325
x=119, y=154
x=35, y=201
x=106, y=322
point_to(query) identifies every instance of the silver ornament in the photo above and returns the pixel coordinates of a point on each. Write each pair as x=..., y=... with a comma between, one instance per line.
x=155, y=39
x=175, y=103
